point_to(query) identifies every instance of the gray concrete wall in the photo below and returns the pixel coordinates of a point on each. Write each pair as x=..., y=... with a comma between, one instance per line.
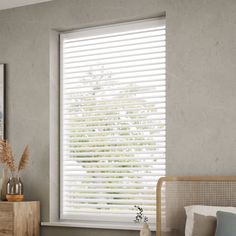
x=201, y=78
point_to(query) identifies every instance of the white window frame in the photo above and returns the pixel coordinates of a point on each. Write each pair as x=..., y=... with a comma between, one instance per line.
x=93, y=221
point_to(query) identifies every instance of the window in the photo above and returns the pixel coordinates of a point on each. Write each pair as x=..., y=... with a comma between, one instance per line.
x=113, y=88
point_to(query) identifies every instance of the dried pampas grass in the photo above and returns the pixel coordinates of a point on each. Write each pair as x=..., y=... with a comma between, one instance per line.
x=7, y=158
x=6, y=155
x=2, y=151
x=24, y=159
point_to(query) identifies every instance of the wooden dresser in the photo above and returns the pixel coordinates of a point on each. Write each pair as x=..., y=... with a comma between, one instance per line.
x=19, y=218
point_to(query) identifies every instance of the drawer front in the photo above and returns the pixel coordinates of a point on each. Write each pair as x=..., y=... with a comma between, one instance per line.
x=6, y=219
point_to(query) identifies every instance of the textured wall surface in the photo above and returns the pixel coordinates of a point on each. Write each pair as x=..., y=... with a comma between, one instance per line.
x=201, y=84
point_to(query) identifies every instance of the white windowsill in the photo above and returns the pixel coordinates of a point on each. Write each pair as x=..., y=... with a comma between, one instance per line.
x=98, y=225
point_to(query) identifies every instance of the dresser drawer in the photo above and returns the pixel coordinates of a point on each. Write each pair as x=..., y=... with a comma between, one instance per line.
x=6, y=219
x=19, y=218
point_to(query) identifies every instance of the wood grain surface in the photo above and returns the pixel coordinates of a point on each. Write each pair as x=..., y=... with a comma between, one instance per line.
x=19, y=218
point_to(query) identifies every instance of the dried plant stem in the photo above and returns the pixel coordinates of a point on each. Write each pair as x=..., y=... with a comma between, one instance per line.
x=24, y=159
x=7, y=158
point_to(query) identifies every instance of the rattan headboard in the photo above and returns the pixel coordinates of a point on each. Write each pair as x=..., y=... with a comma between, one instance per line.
x=173, y=193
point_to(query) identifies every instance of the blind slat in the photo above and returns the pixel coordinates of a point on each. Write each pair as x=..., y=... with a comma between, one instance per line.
x=97, y=153
x=100, y=190
x=155, y=173
x=116, y=36
x=108, y=201
x=153, y=34
x=127, y=157
x=125, y=126
x=116, y=62
x=111, y=58
x=160, y=137
x=108, y=195
x=148, y=70
x=155, y=83
x=94, y=206
x=116, y=106
x=131, y=51
x=111, y=46
x=138, y=89
x=118, y=115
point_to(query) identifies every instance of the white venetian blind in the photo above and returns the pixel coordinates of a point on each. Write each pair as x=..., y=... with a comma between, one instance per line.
x=113, y=89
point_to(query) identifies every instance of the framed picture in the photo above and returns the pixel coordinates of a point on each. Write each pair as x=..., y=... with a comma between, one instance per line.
x=2, y=101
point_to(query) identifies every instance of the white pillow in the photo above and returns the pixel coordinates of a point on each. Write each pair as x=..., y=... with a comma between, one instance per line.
x=202, y=210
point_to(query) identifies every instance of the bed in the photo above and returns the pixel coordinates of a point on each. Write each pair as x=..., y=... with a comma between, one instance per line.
x=174, y=193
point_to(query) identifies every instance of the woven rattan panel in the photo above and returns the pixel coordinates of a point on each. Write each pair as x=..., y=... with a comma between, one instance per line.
x=173, y=193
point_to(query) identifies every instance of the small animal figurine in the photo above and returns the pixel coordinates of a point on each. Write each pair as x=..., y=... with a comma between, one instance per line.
x=145, y=231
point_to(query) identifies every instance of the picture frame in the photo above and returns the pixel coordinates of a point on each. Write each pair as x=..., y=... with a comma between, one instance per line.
x=2, y=101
